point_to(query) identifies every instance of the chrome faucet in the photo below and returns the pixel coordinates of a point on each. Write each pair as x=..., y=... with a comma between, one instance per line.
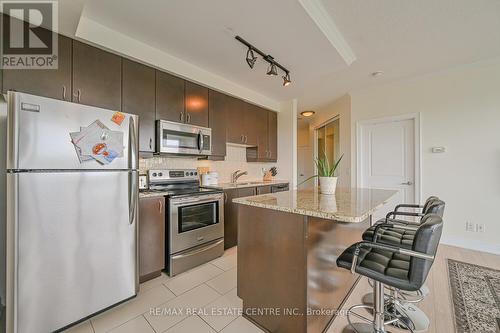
x=237, y=174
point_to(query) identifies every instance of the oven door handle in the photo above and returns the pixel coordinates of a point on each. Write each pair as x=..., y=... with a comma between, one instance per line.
x=181, y=202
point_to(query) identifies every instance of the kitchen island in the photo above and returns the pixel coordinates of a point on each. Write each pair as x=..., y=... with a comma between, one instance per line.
x=288, y=243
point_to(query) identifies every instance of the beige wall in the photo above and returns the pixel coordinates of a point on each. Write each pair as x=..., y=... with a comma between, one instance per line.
x=460, y=110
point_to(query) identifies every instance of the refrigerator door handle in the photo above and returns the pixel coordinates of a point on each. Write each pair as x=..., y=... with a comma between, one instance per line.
x=133, y=194
x=133, y=158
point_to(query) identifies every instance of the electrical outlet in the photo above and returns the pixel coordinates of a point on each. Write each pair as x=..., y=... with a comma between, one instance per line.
x=480, y=227
x=469, y=226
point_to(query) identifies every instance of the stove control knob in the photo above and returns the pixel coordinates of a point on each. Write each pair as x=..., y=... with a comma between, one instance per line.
x=154, y=174
x=196, y=173
x=160, y=174
x=187, y=173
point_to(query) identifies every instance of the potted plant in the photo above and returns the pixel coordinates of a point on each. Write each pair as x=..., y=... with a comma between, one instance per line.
x=326, y=174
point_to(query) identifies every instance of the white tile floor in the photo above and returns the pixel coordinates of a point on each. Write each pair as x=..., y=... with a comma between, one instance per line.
x=202, y=300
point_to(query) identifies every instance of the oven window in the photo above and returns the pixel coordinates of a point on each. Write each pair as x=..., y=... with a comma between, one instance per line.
x=175, y=139
x=198, y=216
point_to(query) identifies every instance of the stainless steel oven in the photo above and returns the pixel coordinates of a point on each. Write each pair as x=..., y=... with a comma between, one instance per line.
x=196, y=230
x=183, y=139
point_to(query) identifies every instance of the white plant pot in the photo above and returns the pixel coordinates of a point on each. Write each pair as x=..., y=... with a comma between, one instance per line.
x=327, y=185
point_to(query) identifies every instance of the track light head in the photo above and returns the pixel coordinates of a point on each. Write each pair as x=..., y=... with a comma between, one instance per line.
x=272, y=69
x=286, y=79
x=251, y=58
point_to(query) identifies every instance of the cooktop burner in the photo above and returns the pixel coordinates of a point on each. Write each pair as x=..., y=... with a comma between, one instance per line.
x=175, y=183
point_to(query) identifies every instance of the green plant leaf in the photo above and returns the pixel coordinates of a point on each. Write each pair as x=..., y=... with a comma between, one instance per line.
x=324, y=169
x=308, y=179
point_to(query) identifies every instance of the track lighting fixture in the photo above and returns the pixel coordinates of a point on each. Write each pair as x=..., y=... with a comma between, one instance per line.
x=286, y=79
x=272, y=70
x=273, y=65
x=251, y=58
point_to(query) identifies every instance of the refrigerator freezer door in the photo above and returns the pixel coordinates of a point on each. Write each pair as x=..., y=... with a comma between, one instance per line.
x=39, y=134
x=76, y=246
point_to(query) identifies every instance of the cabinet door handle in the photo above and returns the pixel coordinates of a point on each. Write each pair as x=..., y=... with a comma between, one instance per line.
x=243, y=138
x=64, y=93
x=150, y=143
x=78, y=95
x=246, y=139
x=181, y=117
x=188, y=118
x=225, y=197
x=160, y=206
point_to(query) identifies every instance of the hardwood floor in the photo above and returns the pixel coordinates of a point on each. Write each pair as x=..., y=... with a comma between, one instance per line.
x=438, y=305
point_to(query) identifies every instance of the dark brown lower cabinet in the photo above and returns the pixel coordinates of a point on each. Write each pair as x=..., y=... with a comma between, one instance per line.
x=231, y=214
x=151, y=237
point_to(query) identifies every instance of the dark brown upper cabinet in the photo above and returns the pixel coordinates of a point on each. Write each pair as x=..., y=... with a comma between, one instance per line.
x=138, y=97
x=196, y=104
x=272, y=125
x=169, y=97
x=217, y=106
x=96, y=77
x=251, y=121
x=234, y=114
x=53, y=83
x=262, y=134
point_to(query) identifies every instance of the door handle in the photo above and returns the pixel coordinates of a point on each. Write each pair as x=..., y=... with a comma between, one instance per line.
x=200, y=142
x=64, y=93
x=133, y=193
x=78, y=95
x=407, y=183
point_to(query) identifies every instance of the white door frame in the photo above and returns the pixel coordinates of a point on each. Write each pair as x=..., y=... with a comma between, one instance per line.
x=418, y=144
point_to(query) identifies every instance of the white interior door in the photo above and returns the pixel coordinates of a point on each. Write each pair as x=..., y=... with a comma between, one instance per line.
x=387, y=160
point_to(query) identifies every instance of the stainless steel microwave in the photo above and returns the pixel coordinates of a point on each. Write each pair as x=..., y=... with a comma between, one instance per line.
x=183, y=139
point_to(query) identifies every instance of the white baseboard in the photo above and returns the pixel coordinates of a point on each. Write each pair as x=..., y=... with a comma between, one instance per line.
x=471, y=244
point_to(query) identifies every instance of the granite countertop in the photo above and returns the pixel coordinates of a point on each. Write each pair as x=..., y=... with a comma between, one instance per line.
x=347, y=205
x=246, y=183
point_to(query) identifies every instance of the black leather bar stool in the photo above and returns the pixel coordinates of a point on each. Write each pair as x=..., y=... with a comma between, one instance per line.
x=394, y=231
x=392, y=266
x=401, y=233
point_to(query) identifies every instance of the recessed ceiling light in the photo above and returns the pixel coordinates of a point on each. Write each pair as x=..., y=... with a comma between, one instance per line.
x=377, y=73
x=307, y=113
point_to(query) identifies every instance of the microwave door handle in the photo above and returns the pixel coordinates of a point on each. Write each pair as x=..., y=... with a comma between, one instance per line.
x=200, y=141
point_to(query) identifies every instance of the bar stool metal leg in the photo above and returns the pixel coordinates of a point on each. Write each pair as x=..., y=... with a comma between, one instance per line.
x=409, y=315
x=376, y=325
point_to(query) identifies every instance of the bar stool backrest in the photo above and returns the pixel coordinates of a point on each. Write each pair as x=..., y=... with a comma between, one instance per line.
x=429, y=201
x=435, y=207
x=426, y=241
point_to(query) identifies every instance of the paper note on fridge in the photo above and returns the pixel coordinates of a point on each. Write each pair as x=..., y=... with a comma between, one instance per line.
x=98, y=142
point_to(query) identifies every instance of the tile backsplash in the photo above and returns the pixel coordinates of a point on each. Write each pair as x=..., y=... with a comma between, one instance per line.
x=235, y=160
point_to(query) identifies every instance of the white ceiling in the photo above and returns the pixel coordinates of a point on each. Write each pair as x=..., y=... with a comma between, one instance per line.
x=401, y=38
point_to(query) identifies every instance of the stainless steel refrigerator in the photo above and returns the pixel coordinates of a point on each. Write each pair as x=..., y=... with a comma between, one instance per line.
x=71, y=225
